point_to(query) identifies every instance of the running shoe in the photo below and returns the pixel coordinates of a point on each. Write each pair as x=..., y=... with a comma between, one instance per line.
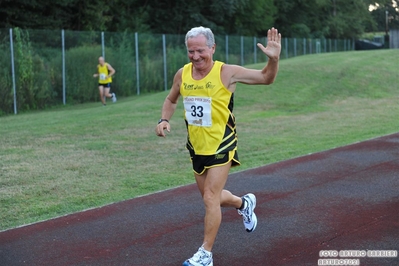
x=113, y=97
x=248, y=214
x=201, y=258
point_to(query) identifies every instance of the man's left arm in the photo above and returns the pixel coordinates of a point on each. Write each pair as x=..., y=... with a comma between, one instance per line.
x=268, y=74
x=272, y=51
x=111, y=70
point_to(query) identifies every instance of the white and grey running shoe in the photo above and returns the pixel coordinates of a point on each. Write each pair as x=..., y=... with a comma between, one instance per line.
x=201, y=258
x=248, y=214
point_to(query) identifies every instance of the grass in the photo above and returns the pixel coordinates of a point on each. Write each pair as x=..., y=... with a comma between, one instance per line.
x=72, y=158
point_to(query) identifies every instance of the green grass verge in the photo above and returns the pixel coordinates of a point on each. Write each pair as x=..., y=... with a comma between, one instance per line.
x=72, y=158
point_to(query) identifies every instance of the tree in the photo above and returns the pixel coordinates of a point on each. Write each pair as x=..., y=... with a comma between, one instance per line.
x=90, y=15
x=248, y=17
x=294, y=18
x=303, y=18
x=328, y=18
x=251, y=18
x=48, y=14
x=180, y=15
x=379, y=15
x=348, y=19
x=128, y=16
x=35, y=14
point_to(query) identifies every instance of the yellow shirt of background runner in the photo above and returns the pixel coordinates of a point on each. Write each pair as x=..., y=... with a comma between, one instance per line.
x=103, y=73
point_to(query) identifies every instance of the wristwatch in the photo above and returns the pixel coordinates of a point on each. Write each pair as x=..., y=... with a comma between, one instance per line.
x=161, y=120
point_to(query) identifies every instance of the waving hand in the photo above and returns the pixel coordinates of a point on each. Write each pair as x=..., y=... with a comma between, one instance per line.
x=273, y=47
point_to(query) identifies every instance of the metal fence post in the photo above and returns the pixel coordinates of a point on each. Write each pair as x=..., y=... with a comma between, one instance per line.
x=255, y=50
x=136, y=37
x=63, y=67
x=227, y=49
x=286, y=47
x=13, y=72
x=242, y=50
x=304, y=46
x=294, y=47
x=325, y=45
x=102, y=44
x=164, y=62
x=318, y=49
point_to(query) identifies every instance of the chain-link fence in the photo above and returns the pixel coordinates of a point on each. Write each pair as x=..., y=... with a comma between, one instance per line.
x=42, y=68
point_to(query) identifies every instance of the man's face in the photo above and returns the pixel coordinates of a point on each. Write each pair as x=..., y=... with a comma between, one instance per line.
x=101, y=61
x=199, y=53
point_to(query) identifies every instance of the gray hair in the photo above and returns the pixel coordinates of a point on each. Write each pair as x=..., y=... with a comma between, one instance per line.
x=194, y=32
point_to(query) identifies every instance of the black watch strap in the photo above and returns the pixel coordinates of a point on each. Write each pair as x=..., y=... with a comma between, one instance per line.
x=161, y=120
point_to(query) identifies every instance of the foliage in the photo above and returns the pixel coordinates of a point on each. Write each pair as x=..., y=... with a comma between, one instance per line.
x=80, y=82
x=81, y=62
x=323, y=18
x=50, y=14
x=379, y=16
x=252, y=18
x=33, y=86
x=39, y=63
x=129, y=15
x=6, y=89
x=294, y=18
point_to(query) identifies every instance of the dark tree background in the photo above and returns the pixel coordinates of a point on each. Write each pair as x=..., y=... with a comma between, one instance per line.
x=295, y=18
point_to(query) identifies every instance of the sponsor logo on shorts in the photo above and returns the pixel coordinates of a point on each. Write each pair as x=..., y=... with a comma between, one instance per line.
x=219, y=156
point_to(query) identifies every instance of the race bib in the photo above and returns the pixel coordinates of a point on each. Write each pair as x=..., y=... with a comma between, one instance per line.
x=103, y=76
x=198, y=111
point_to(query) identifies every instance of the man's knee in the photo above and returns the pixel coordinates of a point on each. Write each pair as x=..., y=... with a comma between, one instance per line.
x=210, y=198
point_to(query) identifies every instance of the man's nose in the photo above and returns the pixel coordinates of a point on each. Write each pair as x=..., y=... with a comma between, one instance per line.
x=195, y=56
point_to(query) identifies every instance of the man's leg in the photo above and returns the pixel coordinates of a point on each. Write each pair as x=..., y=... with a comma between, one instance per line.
x=109, y=95
x=211, y=185
x=101, y=91
x=106, y=92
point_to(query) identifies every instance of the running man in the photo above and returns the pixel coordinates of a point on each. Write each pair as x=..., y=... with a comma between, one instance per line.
x=104, y=73
x=207, y=88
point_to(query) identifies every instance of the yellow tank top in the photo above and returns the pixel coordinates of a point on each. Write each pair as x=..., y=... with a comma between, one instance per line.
x=208, y=107
x=103, y=73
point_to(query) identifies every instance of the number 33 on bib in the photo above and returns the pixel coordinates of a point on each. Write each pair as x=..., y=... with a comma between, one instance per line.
x=198, y=111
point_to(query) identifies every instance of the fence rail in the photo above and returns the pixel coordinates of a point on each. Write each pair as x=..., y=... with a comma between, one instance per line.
x=41, y=68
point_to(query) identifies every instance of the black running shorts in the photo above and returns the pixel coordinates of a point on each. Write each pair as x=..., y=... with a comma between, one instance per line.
x=203, y=162
x=106, y=85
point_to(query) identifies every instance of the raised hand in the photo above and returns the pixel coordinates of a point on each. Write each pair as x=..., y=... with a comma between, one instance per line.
x=273, y=48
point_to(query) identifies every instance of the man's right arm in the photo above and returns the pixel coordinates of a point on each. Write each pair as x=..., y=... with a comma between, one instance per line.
x=169, y=105
x=95, y=75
